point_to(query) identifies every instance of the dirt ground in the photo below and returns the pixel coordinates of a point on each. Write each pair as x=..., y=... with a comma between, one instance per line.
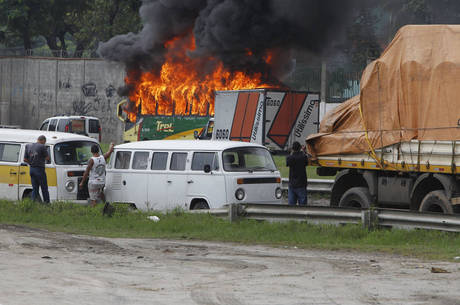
x=41, y=267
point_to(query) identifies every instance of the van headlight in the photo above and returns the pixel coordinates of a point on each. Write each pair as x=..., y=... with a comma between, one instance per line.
x=239, y=194
x=69, y=186
x=278, y=193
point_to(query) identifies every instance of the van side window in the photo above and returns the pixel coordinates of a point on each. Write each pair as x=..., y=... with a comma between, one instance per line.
x=140, y=160
x=178, y=161
x=9, y=152
x=45, y=125
x=53, y=124
x=62, y=124
x=200, y=159
x=93, y=126
x=49, y=154
x=122, y=159
x=159, y=161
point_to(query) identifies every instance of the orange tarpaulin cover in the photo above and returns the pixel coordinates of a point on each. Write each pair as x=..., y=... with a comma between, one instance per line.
x=411, y=92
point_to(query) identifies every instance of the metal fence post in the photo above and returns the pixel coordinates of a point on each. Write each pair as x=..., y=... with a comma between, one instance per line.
x=366, y=219
x=370, y=218
x=233, y=212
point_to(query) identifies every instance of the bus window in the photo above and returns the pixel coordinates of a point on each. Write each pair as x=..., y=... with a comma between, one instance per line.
x=78, y=126
x=122, y=159
x=178, y=161
x=159, y=161
x=63, y=125
x=93, y=126
x=44, y=125
x=53, y=124
x=200, y=159
x=9, y=152
x=140, y=160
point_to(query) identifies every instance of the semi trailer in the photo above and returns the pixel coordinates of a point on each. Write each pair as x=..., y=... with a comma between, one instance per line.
x=397, y=144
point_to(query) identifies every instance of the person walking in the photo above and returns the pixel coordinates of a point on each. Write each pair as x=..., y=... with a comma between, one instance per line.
x=96, y=173
x=36, y=155
x=297, y=162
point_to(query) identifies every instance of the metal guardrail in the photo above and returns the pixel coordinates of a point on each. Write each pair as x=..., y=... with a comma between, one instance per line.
x=369, y=218
x=314, y=185
x=410, y=220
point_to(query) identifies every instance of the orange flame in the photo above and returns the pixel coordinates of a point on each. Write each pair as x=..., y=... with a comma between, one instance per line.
x=185, y=85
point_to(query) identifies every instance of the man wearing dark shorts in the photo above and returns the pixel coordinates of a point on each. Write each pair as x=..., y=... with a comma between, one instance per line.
x=297, y=162
x=36, y=156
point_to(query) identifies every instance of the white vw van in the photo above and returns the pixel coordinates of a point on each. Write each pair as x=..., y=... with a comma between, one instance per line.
x=163, y=175
x=83, y=125
x=69, y=154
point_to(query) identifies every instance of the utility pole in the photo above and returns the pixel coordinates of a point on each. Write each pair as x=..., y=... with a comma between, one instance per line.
x=323, y=89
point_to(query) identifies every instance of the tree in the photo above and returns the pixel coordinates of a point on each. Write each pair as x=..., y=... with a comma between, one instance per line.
x=18, y=19
x=80, y=22
x=362, y=43
x=404, y=12
x=102, y=20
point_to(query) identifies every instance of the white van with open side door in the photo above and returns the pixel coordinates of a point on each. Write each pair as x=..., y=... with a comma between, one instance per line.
x=83, y=125
x=165, y=174
x=69, y=154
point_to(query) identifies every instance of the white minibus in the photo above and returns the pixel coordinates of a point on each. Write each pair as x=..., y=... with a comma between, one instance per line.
x=69, y=154
x=165, y=174
x=83, y=125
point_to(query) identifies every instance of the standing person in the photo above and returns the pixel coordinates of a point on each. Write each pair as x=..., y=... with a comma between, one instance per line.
x=297, y=162
x=36, y=156
x=96, y=172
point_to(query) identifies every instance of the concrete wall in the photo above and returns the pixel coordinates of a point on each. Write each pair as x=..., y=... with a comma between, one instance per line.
x=32, y=89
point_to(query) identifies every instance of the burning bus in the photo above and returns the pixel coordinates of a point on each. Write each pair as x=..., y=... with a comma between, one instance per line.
x=160, y=126
x=178, y=101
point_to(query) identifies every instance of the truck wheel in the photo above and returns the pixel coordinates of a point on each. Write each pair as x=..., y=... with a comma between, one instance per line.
x=436, y=201
x=201, y=205
x=356, y=197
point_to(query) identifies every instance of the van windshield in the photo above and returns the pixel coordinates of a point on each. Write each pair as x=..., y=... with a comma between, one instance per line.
x=73, y=152
x=248, y=159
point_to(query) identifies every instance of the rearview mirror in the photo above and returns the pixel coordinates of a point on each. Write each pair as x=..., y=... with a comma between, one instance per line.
x=195, y=134
x=207, y=168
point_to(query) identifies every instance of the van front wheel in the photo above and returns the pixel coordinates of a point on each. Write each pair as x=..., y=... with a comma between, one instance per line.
x=200, y=205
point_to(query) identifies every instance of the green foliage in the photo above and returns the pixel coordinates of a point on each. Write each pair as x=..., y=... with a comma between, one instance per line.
x=69, y=217
x=363, y=42
x=80, y=23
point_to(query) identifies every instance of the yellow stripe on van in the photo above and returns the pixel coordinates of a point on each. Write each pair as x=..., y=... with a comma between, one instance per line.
x=51, y=176
x=6, y=175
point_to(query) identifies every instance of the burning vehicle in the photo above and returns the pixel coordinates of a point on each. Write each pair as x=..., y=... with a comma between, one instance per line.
x=189, y=50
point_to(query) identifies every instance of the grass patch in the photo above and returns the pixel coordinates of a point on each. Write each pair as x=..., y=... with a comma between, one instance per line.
x=280, y=162
x=73, y=218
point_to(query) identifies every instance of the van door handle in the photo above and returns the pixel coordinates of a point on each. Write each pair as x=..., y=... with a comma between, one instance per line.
x=22, y=173
x=12, y=172
x=169, y=181
x=189, y=181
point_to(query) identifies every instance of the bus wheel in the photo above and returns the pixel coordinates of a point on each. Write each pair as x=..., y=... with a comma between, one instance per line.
x=201, y=205
x=436, y=201
x=27, y=195
x=356, y=197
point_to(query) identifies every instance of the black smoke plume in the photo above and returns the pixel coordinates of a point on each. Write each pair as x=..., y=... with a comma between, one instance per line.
x=238, y=32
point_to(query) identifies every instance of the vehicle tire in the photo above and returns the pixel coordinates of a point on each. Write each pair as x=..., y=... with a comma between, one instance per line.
x=201, y=205
x=437, y=202
x=27, y=195
x=356, y=197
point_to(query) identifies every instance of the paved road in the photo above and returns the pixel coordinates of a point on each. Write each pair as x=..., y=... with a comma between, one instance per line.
x=40, y=267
